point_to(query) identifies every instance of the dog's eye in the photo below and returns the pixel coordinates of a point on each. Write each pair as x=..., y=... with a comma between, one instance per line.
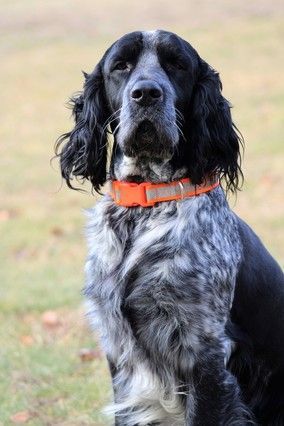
x=180, y=66
x=176, y=64
x=122, y=66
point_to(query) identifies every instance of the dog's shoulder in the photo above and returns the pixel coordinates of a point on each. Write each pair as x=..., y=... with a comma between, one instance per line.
x=259, y=294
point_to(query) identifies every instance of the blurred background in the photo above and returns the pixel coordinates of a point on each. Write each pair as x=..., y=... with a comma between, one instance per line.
x=51, y=369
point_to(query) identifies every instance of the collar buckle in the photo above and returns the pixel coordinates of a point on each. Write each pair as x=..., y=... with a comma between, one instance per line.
x=131, y=194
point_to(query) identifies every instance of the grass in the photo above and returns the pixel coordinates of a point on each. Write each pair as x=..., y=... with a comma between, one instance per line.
x=42, y=243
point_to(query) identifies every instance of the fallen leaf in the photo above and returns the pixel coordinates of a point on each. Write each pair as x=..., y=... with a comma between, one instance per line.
x=4, y=215
x=87, y=354
x=27, y=340
x=57, y=232
x=50, y=319
x=21, y=417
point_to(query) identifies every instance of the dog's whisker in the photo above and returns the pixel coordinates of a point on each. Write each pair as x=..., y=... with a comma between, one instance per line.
x=180, y=131
x=111, y=119
x=179, y=114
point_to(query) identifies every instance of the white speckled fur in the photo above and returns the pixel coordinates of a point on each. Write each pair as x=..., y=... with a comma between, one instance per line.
x=107, y=271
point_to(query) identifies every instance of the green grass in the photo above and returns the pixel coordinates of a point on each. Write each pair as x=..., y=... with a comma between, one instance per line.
x=42, y=242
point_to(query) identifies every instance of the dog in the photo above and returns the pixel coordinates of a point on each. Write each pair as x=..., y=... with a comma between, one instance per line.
x=188, y=302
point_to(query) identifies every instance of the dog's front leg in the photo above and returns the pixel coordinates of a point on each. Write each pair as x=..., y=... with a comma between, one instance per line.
x=121, y=418
x=216, y=395
x=113, y=372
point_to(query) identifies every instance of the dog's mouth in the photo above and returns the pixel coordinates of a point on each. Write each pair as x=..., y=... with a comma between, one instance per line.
x=146, y=140
x=145, y=134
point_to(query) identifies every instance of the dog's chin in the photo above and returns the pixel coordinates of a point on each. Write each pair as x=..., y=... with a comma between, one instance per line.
x=146, y=141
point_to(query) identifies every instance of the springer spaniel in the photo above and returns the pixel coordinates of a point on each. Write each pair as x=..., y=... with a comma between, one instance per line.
x=188, y=302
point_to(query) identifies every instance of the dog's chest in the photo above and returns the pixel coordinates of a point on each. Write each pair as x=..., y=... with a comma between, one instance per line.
x=168, y=270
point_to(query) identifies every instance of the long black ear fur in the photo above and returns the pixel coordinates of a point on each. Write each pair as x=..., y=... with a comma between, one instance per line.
x=83, y=151
x=214, y=141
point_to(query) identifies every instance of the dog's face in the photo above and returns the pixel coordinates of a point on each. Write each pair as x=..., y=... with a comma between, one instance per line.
x=149, y=78
x=162, y=102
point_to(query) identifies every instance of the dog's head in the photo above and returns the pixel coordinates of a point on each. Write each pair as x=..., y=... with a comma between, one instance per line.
x=161, y=101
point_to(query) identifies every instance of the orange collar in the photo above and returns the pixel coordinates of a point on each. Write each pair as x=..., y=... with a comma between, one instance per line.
x=147, y=194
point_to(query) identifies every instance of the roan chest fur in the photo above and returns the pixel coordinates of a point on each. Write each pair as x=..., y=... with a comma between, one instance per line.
x=161, y=280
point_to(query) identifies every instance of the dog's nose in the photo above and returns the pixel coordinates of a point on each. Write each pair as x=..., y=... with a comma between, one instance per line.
x=146, y=92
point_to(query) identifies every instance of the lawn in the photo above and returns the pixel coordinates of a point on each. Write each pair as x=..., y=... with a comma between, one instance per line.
x=45, y=378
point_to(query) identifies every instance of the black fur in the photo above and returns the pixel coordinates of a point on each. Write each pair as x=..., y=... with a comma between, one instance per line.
x=258, y=310
x=85, y=154
x=215, y=141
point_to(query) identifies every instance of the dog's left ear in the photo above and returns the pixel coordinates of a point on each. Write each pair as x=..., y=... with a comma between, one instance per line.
x=214, y=142
x=83, y=150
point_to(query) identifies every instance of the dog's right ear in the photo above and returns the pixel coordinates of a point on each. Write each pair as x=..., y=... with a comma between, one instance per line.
x=83, y=151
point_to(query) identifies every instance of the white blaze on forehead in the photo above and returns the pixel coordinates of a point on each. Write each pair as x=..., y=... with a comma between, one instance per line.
x=153, y=34
x=149, y=56
x=150, y=39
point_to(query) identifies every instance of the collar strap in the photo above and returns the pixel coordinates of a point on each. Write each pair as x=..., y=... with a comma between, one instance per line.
x=147, y=194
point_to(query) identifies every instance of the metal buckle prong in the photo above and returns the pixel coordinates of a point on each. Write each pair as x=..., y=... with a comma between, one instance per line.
x=181, y=189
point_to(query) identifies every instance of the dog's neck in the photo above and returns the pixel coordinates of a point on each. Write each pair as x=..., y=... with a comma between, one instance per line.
x=145, y=169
